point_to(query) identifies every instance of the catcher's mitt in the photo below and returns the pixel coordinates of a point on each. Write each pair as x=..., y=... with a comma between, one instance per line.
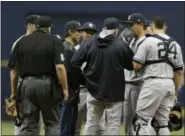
x=128, y=34
x=175, y=122
x=11, y=107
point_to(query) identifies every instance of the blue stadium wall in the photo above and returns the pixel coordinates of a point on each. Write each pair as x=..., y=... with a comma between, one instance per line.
x=13, y=14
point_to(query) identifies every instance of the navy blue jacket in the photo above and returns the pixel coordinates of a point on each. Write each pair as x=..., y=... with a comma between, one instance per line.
x=105, y=60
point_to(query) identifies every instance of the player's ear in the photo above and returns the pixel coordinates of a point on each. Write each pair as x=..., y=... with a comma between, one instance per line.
x=28, y=25
x=165, y=28
x=70, y=32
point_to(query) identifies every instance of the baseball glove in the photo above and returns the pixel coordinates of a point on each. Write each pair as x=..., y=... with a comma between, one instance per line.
x=128, y=34
x=175, y=122
x=11, y=107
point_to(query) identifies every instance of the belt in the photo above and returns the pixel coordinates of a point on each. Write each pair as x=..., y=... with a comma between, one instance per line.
x=133, y=82
x=152, y=77
x=37, y=77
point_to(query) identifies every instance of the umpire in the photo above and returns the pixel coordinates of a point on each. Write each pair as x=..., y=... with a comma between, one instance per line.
x=39, y=62
x=106, y=56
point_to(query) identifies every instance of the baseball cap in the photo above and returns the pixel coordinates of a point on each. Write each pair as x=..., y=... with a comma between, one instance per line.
x=89, y=26
x=43, y=22
x=31, y=19
x=111, y=23
x=135, y=18
x=72, y=25
x=148, y=23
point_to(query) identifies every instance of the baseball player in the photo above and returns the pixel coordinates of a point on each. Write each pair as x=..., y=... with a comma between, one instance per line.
x=161, y=58
x=69, y=110
x=30, y=28
x=133, y=80
x=88, y=30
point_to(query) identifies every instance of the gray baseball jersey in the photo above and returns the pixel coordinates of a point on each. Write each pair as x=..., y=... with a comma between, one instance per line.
x=154, y=49
x=132, y=76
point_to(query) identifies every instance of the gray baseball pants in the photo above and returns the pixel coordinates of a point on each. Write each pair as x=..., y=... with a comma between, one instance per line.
x=155, y=101
x=37, y=132
x=131, y=95
x=82, y=113
x=95, y=110
x=36, y=96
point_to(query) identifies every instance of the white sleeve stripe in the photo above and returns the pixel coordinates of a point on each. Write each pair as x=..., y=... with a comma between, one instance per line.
x=136, y=59
x=13, y=46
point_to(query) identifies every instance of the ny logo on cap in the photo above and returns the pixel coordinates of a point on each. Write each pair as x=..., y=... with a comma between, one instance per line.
x=90, y=25
x=79, y=23
x=129, y=17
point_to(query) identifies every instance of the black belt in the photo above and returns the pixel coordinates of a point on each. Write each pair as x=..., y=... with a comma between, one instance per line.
x=153, y=77
x=133, y=82
x=37, y=77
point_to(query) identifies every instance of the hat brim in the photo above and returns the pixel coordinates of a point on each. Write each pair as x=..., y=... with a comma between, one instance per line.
x=77, y=28
x=127, y=22
x=88, y=29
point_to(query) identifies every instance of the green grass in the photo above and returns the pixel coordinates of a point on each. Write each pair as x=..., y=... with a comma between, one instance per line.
x=8, y=129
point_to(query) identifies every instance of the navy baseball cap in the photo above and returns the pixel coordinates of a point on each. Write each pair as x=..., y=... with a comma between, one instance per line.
x=148, y=23
x=111, y=23
x=31, y=19
x=89, y=26
x=72, y=25
x=44, y=22
x=135, y=18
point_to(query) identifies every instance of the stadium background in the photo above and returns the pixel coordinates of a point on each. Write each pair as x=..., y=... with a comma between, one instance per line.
x=12, y=26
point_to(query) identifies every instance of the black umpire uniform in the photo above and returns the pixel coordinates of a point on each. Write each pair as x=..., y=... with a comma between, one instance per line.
x=35, y=57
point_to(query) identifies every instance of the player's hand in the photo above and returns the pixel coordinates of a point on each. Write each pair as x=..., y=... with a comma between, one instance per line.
x=66, y=96
x=12, y=96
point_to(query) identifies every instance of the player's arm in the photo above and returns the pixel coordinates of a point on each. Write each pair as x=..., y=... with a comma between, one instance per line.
x=178, y=76
x=127, y=55
x=140, y=56
x=60, y=68
x=80, y=56
x=178, y=69
x=14, y=75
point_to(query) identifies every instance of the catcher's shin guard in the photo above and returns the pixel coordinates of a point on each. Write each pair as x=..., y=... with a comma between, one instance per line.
x=139, y=123
x=157, y=126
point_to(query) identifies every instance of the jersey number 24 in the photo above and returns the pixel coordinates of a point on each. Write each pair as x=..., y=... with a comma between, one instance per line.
x=170, y=52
